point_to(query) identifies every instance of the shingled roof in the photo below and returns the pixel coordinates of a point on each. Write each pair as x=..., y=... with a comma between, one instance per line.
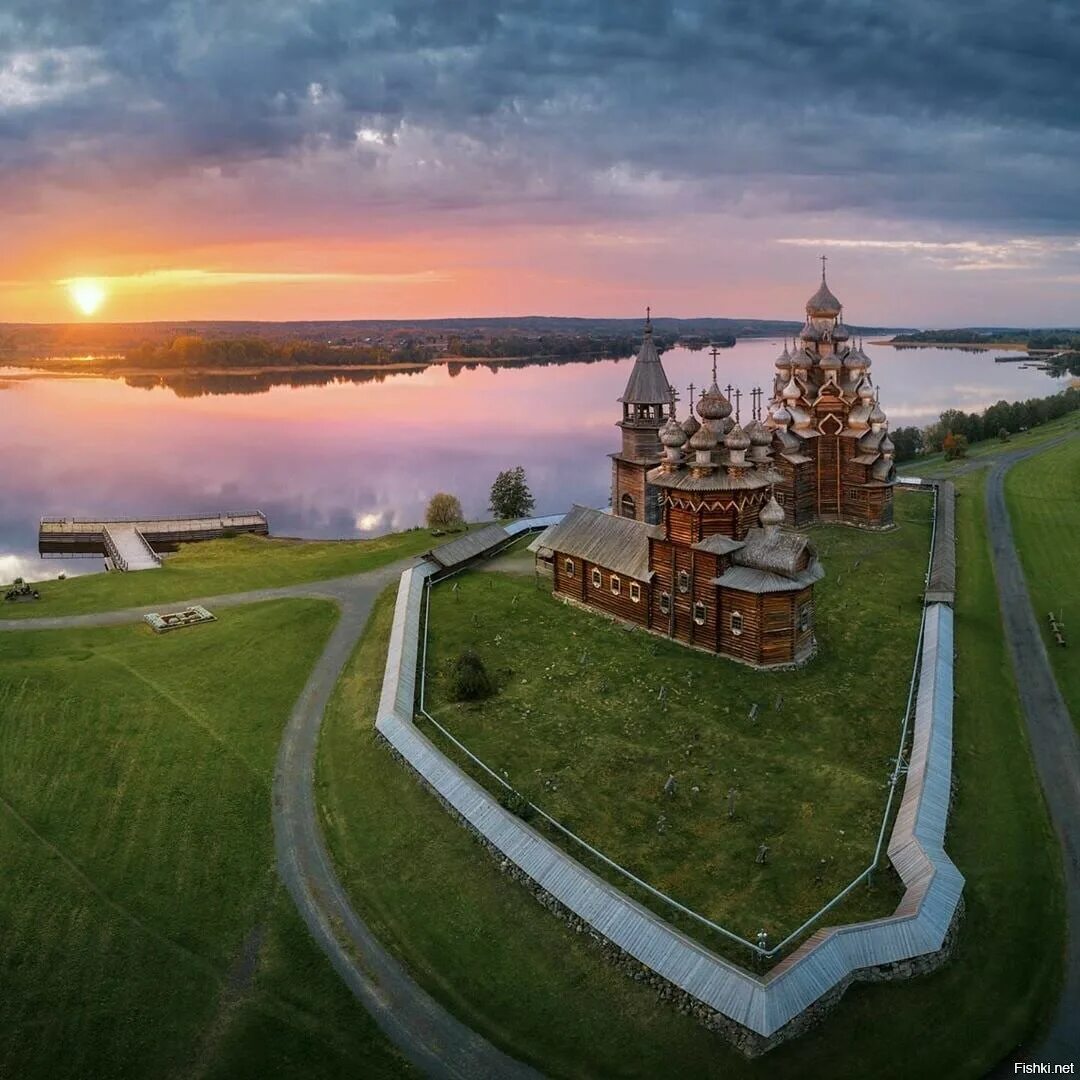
x=615, y=543
x=648, y=383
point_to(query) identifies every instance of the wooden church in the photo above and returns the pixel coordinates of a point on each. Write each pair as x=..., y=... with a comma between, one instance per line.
x=693, y=547
x=830, y=437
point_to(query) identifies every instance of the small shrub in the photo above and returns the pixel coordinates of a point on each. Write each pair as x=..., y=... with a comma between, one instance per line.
x=516, y=803
x=471, y=680
x=444, y=512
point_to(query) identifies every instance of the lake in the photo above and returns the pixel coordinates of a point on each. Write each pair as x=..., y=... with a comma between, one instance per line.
x=362, y=455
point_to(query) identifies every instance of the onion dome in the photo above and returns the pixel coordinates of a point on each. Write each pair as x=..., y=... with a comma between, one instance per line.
x=759, y=433
x=791, y=392
x=781, y=416
x=784, y=359
x=887, y=445
x=877, y=416
x=831, y=362
x=840, y=332
x=737, y=439
x=823, y=304
x=690, y=425
x=712, y=405
x=703, y=439
x=772, y=514
x=672, y=434
x=810, y=332
x=866, y=392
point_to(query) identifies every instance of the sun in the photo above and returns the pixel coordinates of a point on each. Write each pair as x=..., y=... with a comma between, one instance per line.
x=86, y=294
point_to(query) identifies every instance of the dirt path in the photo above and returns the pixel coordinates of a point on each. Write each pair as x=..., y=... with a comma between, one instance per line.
x=1054, y=746
x=426, y=1033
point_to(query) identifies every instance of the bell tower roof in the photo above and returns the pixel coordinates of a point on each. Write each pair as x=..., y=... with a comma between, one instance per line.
x=648, y=384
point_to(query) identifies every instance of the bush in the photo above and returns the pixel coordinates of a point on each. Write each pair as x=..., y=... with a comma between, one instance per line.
x=471, y=680
x=444, y=512
x=516, y=803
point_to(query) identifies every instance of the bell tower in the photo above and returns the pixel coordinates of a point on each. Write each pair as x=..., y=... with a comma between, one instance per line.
x=647, y=402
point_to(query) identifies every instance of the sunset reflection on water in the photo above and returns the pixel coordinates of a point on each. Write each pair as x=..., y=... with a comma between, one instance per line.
x=347, y=459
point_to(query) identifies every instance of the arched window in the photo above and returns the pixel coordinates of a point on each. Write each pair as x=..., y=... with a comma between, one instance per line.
x=699, y=613
x=665, y=602
x=627, y=506
x=635, y=591
x=684, y=581
x=736, y=622
x=616, y=585
x=568, y=566
x=597, y=578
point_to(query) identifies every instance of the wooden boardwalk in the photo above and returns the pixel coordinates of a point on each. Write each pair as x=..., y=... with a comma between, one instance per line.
x=59, y=537
x=762, y=1004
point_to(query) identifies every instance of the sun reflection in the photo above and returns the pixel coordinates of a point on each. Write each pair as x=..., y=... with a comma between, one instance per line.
x=86, y=294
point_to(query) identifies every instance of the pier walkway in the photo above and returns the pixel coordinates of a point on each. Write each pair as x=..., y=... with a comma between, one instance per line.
x=135, y=543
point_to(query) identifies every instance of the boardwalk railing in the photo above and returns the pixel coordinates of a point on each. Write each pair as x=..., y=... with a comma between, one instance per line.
x=828, y=958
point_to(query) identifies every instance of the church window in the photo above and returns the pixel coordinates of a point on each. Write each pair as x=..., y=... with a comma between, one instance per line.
x=568, y=566
x=635, y=592
x=699, y=613
x=665, y=603
x=806, y=614
x=627, y=506
x=616, y=585
x=597, y=578
x=736, y=622
x=684, y=581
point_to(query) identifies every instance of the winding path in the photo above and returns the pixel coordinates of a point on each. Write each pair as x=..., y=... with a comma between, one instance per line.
x=1054, y=745
x=430, y=1037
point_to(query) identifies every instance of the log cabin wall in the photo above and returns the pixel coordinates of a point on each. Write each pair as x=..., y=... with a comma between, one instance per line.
x=828, y=476
x=681, y=524
x=746, y=643
x=778, y=615
x=629, y=480
x=804, y=623
x=569, y=578
x=706, y=619
x=619, y=603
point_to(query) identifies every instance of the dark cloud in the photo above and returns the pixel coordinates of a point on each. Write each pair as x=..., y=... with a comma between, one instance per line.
x=918, y=109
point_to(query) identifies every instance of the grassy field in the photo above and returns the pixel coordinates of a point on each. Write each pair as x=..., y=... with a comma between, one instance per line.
x=1043, y=495
x=221, y=566
x=145, y=933
x=481, y=944
x=984, y=453
x=577, y=726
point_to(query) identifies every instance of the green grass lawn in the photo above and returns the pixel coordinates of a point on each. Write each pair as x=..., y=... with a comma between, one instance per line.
x=984, y=452
x=1043, y=495
x=480, y=943
x=145, y=933
x=214, y=567
x=577, y=727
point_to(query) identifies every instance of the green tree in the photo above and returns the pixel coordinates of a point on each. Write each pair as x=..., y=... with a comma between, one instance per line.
x=444, y=512
x=471, y=680
x=908, y=442
x=510, y=495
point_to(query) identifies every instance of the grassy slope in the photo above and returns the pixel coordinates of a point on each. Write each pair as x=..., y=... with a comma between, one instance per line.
x=138, y=890
x=221, y=566
x=481, y=944
x=592, y=745
x=1043, y=495
x=984, y=452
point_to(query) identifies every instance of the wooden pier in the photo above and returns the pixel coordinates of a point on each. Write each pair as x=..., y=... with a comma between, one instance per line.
x=136, y=543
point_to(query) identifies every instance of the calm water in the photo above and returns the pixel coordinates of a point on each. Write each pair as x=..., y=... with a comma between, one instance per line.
x=348, y=459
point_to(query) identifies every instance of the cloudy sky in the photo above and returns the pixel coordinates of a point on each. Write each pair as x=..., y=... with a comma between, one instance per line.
x=338, y=158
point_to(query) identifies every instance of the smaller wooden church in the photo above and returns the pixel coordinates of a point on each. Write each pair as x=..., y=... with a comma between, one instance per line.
x=693, y=548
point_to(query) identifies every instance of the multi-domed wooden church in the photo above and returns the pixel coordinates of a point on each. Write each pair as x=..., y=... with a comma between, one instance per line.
x=693, y=547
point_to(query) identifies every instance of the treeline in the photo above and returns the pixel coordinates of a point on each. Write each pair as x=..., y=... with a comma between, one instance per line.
x=1033, y=339
x=195, y=352
x=1006, y=417
x=610, y=346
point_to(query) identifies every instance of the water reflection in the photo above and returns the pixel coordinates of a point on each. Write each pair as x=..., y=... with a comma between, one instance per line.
x=359, y=453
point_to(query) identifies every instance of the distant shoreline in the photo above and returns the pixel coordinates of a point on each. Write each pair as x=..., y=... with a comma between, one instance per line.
x=1007, y=346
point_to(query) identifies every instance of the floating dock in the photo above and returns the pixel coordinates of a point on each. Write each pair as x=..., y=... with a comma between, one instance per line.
x=137, y=543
